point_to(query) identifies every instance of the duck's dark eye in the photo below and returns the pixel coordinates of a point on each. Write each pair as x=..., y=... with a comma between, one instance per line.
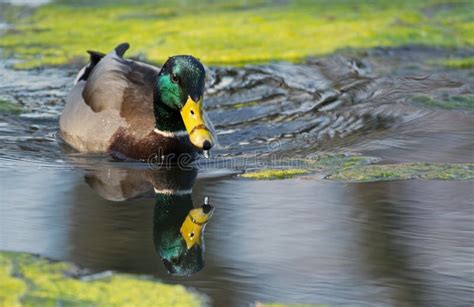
x=174, y=78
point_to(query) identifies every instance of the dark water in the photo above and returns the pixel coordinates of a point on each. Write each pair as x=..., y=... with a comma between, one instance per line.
x=304, y=240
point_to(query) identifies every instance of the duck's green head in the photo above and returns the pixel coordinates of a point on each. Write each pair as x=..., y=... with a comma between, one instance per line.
x=180, y=88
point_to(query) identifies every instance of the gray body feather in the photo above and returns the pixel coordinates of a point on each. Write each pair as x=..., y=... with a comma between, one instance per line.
x=117, y=94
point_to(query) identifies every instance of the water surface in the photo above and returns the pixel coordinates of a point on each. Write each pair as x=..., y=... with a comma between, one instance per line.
x=305, y=240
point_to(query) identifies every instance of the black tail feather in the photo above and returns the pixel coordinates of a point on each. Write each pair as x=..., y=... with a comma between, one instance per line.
x=95, y=56
x=121, y=49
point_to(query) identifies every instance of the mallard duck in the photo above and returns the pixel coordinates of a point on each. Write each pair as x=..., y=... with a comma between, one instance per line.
x=135, y=110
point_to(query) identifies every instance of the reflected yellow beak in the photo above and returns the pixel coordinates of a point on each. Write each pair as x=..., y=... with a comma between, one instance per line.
x=193, y=225
x=199, y=134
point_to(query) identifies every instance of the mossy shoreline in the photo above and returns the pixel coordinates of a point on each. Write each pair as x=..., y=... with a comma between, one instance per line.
x=28, y=280
x=353, y=168
x=229, y=32
x=403, y=171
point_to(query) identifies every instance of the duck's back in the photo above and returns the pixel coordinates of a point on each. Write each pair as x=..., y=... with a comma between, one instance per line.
x=110, y=94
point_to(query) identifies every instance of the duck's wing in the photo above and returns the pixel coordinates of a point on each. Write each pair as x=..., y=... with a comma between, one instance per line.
x=113, y=82
x=109, y=94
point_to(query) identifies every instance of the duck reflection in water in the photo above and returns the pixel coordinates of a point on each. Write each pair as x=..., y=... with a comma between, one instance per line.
x=178, y=233
x=178, y=227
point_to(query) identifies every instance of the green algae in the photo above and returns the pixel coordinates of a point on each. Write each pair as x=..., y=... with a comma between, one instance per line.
x=459, y=102
x=325, y=163
x=231, y=32
x=332, y=162
x=32, y=281
x=274, y=174
x=405, y=171
x=12, y=287
x=9, y=107
x=246, y=104
x=357, y=168
x=458, y=63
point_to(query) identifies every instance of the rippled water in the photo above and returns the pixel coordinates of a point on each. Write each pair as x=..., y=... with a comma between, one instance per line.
x=304, y=240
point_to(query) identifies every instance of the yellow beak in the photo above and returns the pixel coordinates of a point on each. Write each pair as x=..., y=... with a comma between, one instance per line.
x=199, y=134
x=193, y=225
